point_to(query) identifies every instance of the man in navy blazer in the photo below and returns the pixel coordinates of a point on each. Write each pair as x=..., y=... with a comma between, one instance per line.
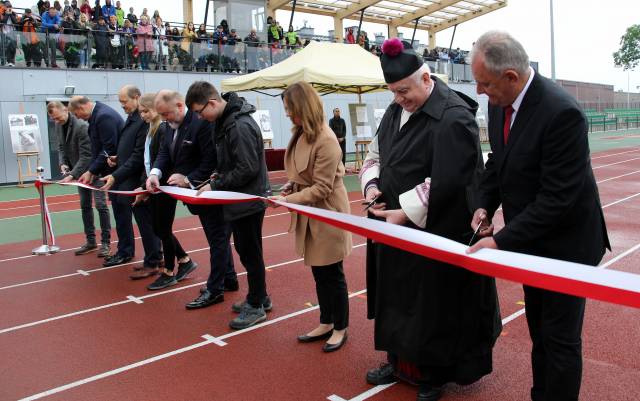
x=104, y=126
x=539, y=169
x=129, y=164
x=186, y=159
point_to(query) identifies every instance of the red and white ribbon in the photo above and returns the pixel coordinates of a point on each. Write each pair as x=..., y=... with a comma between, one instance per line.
x=556, y=275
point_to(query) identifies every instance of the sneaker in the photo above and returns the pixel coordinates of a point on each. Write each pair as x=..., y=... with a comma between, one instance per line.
x=249, y=316
x=86, y=248
x=239, y=306
x=163, y=281
x=184, y=269
x=10, y=64
x=104, y=250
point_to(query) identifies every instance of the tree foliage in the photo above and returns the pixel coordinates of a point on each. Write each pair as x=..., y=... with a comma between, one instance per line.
x=628, y=56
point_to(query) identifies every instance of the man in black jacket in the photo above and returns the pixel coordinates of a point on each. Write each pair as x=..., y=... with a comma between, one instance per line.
x=74, y=154
x=186, y=159
x=240, y=168
x=129, y=164
x=339, y=127
x=539, y=170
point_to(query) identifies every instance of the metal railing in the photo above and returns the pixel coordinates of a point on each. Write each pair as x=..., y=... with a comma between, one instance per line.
x=99, y=48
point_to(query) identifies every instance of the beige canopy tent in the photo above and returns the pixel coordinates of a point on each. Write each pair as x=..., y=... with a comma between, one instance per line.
x=329, y=67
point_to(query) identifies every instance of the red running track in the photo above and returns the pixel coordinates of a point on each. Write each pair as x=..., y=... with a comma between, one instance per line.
x=154, y=350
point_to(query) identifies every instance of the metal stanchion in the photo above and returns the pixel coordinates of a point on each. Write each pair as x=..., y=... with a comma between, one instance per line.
x=45, y=248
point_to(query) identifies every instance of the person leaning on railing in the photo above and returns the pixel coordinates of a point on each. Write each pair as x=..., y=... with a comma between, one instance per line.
x=144, y=42
x=160, y=39
x=8, y=22
x=70, y=43
x=30, y=40
x=51, y=23
x=101, y=37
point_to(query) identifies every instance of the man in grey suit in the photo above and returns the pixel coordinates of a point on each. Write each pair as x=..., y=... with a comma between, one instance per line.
x=74, y=148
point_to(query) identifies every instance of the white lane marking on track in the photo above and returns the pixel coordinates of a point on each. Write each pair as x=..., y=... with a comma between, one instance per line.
x=615, y=154
x=135, y=299
x=208, y=340
x=141, y=298
x=175, y=231
x=214, y=340
x=618, y=176
x=613, y=164
x=82, y=272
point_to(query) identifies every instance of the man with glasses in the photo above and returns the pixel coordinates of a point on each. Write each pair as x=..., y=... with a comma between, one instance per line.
x=240, y=168
x=186, y=159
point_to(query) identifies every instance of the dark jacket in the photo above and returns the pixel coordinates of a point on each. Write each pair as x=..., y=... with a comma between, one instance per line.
x=544, y=180
x=339, y=127
x=105, y=125
x=154, y=149
x=193, y=154
x=130, y=153
x=74, y=146
x=240, y=156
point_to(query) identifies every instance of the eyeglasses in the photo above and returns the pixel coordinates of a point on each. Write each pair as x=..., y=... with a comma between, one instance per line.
x=199, y=112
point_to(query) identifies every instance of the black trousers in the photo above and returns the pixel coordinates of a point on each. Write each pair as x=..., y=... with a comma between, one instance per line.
x=163, y=212
x=150, y=241
x=555, y=327
x=331, y=288
x=123, y=213
x=218, y=233
x=247, y=239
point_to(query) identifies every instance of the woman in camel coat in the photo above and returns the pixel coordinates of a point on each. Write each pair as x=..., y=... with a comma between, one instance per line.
x=313, y=162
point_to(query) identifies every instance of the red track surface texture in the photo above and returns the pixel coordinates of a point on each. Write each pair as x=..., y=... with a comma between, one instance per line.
x=71, y=330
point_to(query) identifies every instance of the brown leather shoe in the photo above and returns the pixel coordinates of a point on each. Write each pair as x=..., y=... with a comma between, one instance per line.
x=144, y=273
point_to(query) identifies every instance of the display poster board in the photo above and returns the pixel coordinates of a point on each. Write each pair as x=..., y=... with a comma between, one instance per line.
x=25, y=133
x=362, y=120
x=377, y=116
x=263, y=118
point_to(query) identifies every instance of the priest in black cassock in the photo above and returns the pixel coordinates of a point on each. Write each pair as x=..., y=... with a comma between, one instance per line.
x=437, y=322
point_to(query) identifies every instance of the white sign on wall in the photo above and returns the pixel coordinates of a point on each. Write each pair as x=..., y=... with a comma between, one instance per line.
x=263, y=118
x=25, y=133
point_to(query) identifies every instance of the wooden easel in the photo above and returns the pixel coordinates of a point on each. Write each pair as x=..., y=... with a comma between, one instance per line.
x=362, y=148
x=30, y=171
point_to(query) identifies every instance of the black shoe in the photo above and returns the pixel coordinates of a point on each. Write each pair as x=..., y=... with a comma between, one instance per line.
x=239, y=306
x=116, y=260
x=86, y=248
x=184, y=269
x=309, y=339
x=335, y=347
x=427, y=392
x=205, y=299
x=231, y=285
x=385, y=374
x=163, y=281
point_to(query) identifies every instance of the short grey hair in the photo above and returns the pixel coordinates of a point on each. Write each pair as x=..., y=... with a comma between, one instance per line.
x=424, y=69
x=78, y=101
x=131, y=91
x=501, y=52
x=168, y=96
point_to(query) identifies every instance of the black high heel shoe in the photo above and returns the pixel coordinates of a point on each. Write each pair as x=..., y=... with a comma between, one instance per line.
x=335, y=347
x=309, y=339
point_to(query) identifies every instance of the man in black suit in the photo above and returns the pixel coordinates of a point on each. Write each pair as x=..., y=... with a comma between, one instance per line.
x=339, y=127
x=539, y=169
x=129, y=164
x=186, y=159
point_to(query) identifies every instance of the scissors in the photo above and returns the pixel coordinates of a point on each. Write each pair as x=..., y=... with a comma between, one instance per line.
x=475, y=233
x=368, y=205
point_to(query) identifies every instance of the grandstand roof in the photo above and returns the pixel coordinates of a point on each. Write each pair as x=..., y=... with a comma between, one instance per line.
x=432, y=15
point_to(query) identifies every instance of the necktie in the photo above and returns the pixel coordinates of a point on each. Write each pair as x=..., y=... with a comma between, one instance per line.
x=173, y=143
x=508, y=112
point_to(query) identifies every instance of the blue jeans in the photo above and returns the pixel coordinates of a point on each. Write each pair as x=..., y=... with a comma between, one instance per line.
x=87, y=214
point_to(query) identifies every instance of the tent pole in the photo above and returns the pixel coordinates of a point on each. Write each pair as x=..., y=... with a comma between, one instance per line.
x=293, y=11
x=415, y=27
x=206, y=13
x=453, y=36
x=360, y=23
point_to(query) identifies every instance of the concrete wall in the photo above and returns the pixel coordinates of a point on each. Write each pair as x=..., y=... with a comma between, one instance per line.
x=25, y=91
